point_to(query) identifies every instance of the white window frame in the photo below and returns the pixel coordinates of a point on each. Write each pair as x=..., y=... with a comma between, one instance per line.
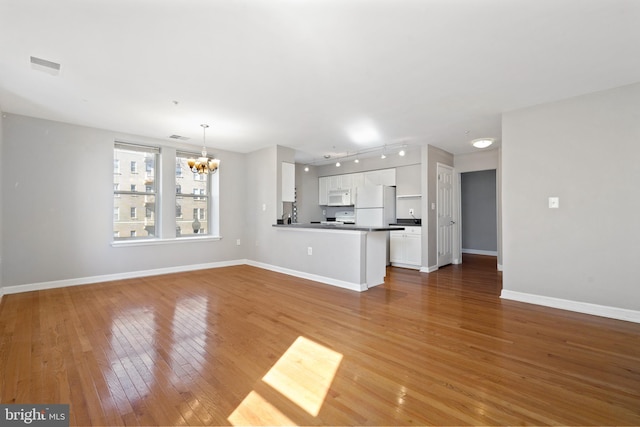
x=208, y=195
x=120, y=224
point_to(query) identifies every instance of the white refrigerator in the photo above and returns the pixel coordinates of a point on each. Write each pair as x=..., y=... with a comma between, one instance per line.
x=375, y=205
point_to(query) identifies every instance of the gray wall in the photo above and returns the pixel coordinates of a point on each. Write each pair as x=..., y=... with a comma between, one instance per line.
x=307, y=194
x=57, y=216
x=478, y=209
x=585, y=151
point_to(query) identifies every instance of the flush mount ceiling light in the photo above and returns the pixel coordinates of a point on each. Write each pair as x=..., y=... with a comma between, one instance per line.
x=204, y=165
x=482, y=142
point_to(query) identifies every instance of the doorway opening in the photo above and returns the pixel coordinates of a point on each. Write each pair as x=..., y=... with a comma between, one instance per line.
x=478, y=213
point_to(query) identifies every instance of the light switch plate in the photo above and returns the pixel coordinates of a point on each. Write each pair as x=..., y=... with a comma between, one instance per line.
x=554, y=202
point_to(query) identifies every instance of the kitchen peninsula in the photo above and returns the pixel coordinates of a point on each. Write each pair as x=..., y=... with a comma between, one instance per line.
x=345, y=255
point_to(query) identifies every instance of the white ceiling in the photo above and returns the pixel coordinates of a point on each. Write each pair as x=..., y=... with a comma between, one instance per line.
x=322, y=77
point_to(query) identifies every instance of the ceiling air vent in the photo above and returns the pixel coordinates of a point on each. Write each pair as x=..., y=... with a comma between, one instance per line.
x=179, y=137
x=48, y=67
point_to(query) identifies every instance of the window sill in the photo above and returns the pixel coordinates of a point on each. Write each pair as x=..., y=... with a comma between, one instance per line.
x=154, y=242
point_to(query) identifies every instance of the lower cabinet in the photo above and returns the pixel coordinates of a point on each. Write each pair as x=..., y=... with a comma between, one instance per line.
x=406, y=248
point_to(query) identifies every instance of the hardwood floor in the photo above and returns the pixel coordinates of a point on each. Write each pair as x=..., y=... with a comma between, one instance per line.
x=241, y=345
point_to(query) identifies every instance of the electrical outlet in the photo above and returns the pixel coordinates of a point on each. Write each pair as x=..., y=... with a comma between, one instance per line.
x=410, y=211
x=238, y=242
x=309, y=250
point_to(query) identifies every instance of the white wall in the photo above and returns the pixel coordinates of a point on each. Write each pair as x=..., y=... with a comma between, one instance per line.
x=57, y=196
x=586, y=151
x=476, y=161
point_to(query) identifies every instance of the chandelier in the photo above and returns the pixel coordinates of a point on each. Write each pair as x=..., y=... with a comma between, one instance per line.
x=203, y=164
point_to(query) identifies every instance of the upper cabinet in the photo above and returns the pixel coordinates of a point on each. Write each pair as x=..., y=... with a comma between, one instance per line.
x=408, y=181
x=323, y=190
x=357, y=180
x=288, y=182
x=380, y=177
x=351, y=181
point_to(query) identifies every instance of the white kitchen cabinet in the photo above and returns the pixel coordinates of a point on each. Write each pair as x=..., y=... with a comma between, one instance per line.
x=406, y=247
x=388, y=177
x=323, y=190
x=339, y=182
x=357, y=180
x=380, y=177
x=351, y=181
x=334, y=183
x=345, y=182
x=288, y=182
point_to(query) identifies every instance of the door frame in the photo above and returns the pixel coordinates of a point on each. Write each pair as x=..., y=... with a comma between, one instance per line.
x=455, y=214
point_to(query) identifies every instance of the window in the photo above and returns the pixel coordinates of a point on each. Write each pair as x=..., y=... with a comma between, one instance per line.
x=127, y=194
x=197, y=191
x=198, y=213
x=194, y=192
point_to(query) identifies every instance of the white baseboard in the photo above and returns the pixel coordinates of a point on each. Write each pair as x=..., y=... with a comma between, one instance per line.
x=479, y=252
x=403, y=265
x=118, y=276
x=428, y=269
x=316, y=278
x=577, y=306
x=155, y=272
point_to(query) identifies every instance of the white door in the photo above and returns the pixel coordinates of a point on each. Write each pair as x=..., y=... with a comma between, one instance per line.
x=445, y=214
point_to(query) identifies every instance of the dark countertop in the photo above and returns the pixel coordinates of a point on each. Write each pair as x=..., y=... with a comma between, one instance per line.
x=408, y=222
x=346, y=227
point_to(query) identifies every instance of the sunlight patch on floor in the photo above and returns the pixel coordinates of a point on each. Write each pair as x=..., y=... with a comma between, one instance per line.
x=255, y=410
x=303, y=374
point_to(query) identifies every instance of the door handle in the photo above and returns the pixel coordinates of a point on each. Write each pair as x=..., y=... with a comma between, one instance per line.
x=452, y=222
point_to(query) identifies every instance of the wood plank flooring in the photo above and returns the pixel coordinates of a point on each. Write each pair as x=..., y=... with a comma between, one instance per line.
x=241, y=345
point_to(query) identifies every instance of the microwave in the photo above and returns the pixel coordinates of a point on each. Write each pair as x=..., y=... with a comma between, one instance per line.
x=339, y=198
